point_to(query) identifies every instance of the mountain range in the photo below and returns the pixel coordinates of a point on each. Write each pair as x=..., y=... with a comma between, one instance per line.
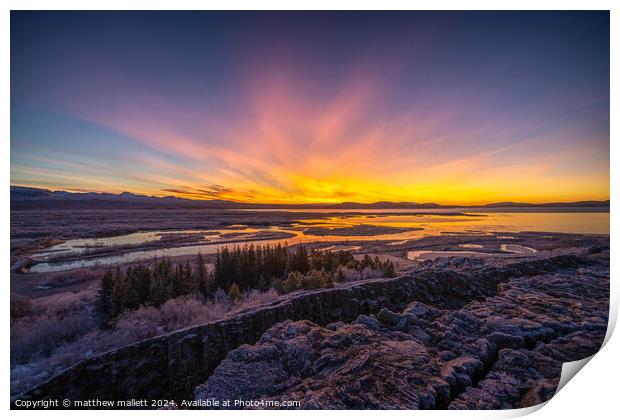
x=21, y=194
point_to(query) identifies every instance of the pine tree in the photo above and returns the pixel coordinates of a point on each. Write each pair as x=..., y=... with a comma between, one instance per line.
x=325, y=279
x=224, y=269
x=175, y=283
x=201, y=277
x=388, y=269
x=367, y=262
x=262, y=285
x=300, y=261
x=119, y=293
x=159, y=292
x=186, y=279
x=181, y=281
x=376, y=263
x=345, y=257
x=160, y=284
x=131, y=283
x=142, y=284
x=293, y=282
x=340, y=275
x=104, y=296
x=259, y=264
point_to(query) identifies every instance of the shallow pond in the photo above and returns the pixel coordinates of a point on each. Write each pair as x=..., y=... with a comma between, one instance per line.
x=209, y=241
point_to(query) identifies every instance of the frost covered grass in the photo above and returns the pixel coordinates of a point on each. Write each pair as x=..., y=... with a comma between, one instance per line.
x=52, y=333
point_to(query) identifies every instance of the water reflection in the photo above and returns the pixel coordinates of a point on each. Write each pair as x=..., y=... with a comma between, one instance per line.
x=210, y=241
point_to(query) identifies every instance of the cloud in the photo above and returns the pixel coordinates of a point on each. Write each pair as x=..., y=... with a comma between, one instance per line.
x=214, y=191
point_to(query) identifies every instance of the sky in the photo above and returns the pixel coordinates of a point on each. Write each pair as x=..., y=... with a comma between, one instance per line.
x=312, y=107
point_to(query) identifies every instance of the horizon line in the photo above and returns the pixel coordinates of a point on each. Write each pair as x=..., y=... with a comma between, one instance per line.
x=81, y=191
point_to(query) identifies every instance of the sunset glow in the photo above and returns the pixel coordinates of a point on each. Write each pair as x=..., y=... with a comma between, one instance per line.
x=309, y=108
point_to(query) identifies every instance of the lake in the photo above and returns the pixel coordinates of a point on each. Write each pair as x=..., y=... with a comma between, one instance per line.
x=470, y=223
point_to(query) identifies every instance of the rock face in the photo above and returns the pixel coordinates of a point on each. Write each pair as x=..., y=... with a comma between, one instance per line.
x=426, y=319
x=502, y=351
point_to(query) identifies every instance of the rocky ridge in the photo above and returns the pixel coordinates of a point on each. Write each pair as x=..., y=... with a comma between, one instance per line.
x=172, y=365
x=502, y=349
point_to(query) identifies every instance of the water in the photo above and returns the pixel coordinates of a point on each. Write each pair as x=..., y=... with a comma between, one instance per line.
x=517, y=249
x=423, y=255
x=581, y=223
x=445, y=210
x=477, y=223
x=75, y=245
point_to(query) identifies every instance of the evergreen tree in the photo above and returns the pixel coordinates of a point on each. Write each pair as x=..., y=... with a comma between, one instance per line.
x=201, y=277
x=161, y=278
x=131, y=284
x=235, y=271
x=104, y=296
x=294, y=281
x=163, y=269
x=159, y=292
x=388, y=269
x=262, y=285
x=345, y=257
x=259, y=265
x=142, y=284
x=299, y=260
x=368, y=262
x=181, y=280
x=176, y=286
x=325, y=279
x=224, y=269
x=119, y=293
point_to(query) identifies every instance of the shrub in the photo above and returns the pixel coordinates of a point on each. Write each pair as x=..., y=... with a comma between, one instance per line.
x=234, y=294
x=293, y=282
x=350, y=274
x=38, y=336
x=66, y=332
x=20, y=306
x=371, y=273
x=254, y=298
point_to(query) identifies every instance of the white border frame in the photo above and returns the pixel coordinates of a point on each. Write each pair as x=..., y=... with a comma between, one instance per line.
x=592, y=395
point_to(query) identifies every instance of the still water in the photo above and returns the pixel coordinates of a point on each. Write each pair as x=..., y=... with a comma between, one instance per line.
x=209, y=242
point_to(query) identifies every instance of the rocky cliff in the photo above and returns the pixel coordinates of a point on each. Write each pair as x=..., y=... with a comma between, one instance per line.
x=473, y=336
x=504, y=351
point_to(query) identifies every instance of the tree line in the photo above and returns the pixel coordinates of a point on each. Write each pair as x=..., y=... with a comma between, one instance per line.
x=235, y=271
x=151, y=284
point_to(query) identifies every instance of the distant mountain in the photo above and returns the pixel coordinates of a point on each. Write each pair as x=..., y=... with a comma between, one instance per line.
x=383, y=205
x=560, y=204
x=32, y=197
x=28, y=193
x=25, y=195
x=507, y=204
